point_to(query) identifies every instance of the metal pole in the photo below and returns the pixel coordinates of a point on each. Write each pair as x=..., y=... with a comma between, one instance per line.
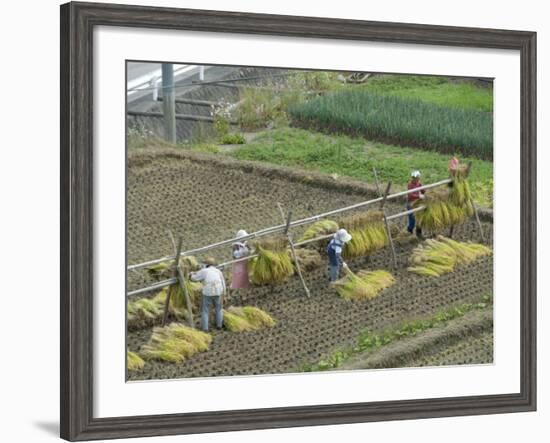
x=169, y=102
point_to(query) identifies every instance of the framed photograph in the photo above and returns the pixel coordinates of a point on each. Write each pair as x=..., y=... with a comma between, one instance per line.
x=273, y=221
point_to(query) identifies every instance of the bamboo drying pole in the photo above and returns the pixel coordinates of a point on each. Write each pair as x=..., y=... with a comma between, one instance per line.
x=280, y=228
x=292, y=250
x=171, y=281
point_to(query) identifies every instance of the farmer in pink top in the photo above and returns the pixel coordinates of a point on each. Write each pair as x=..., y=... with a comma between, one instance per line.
x=239, y=279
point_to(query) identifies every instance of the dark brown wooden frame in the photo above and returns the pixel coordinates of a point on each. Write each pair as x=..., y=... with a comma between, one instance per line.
x=77, y=23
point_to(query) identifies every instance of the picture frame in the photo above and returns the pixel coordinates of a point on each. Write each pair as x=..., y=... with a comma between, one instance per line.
x=78, y=21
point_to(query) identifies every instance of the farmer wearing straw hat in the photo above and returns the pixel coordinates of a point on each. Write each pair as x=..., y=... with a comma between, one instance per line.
x=334, y=251
x=212, y=291
x=411, y=198
x=239, y=277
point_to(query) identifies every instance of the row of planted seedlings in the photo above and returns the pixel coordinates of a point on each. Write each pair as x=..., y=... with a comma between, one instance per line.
x=272, y=263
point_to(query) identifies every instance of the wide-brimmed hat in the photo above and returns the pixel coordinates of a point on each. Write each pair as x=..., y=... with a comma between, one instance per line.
x=342, y=235
x=240, y=234
x=415, y=173
x=210, y=261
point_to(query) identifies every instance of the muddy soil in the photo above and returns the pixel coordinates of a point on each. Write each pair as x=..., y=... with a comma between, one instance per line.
x=207, y=203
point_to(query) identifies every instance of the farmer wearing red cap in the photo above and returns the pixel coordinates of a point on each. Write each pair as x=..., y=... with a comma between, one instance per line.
x=411, y=198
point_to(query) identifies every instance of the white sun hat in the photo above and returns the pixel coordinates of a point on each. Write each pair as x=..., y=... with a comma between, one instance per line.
x=240, y=234
x=343, y=235
x=415, y=173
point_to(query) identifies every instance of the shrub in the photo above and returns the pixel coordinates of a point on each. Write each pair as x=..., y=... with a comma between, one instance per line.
x=233, y=139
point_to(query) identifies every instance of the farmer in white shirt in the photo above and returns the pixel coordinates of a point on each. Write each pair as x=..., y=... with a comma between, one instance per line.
x=213, y=289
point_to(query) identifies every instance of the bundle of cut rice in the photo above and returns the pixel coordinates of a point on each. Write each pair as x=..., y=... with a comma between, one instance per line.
x=440, y=256
x=246, y=318
x=187, y=263
x=175, y=343
x=368, y=233
x=363, y=285
x=133, y=361
x=308, y=259
x=273, y=263
x=441, y=211
x=144, y=312
x=319, y=229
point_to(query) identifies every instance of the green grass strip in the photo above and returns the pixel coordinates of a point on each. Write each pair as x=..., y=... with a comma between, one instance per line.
x=369, y=341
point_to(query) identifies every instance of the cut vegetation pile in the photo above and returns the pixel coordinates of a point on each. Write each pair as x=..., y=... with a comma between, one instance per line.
x=273, y=264
x=400, y=120
x=144, y=312
x=246, y=318
x=368, y=233
x=308, y=259
x=319, y=229
x=364, y=285
x=175, y=343
x=447, y=206
x=164, y=269
x=133, y=361
x=437, y=257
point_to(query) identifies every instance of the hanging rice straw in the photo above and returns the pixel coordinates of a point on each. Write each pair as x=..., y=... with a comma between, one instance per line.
x=273, y=263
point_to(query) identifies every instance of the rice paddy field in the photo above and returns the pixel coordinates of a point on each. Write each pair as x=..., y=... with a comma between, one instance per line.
x=206, y=198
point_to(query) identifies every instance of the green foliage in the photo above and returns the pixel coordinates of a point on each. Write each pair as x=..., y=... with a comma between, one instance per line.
x=273, y=263
x=133, y=361
x=369, y=341
x=246, y=318
x=403, y=121
x=233, y=139
x=175, y=343
x=436, y=257
x=355, y=157
x=438, y=90
x=363, y=285
x=206, y=147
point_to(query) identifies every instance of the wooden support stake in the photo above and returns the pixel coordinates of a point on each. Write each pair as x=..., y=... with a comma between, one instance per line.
x=476, y=213
x=386, y=224
x=292, y=249
x=181, y=281
x=169, y=294
x=479, y=226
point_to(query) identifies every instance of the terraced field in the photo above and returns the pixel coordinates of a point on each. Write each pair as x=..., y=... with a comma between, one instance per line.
x=206, y=198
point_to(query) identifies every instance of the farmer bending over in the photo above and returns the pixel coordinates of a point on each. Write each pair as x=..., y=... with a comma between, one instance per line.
x=411, y=198
x=334, y=251
x=212, y=291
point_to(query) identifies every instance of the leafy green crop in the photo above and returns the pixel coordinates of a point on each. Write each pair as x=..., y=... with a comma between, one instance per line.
x=404, y=121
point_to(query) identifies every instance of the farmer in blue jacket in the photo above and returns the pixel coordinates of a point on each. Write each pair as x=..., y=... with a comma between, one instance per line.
x=334, y=251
